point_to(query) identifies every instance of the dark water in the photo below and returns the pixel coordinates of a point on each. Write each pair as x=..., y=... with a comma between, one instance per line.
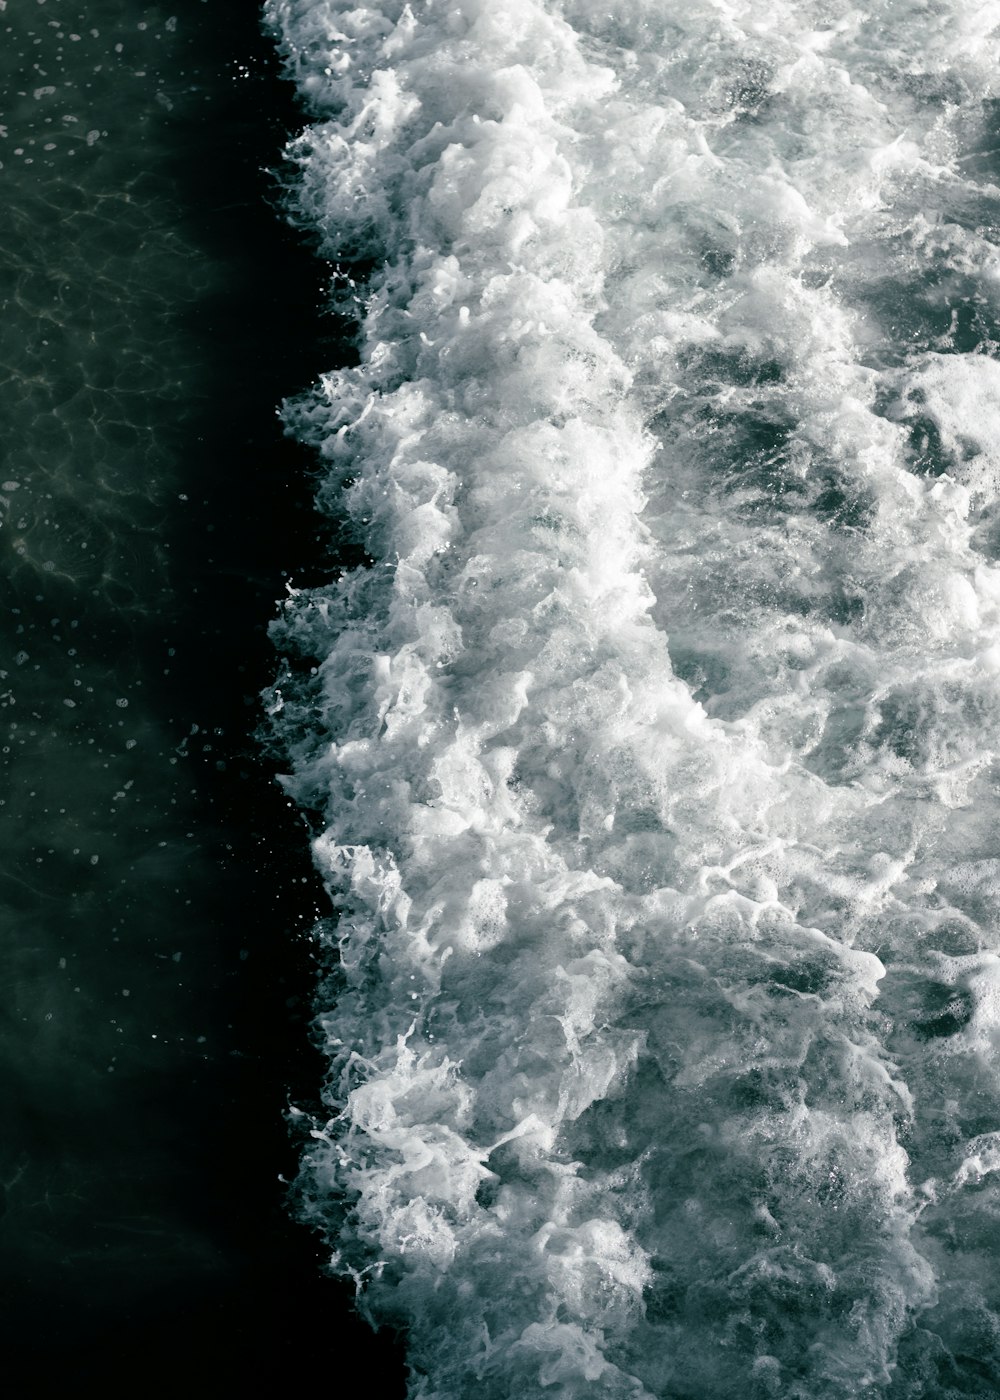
x=154, y=887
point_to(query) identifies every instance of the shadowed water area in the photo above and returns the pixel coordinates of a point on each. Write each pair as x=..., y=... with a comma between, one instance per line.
x=154, y=888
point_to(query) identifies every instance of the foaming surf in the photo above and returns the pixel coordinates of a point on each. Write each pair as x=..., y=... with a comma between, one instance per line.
x=651, y=737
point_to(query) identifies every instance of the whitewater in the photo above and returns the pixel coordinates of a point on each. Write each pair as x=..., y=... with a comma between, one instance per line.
x=650, y=727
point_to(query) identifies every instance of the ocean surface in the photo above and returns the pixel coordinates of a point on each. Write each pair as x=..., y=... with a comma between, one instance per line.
x=648, y=728
x=155, y=888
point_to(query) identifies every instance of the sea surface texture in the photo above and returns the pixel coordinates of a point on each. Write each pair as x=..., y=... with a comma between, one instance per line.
x=149, y=887
x=653, y=737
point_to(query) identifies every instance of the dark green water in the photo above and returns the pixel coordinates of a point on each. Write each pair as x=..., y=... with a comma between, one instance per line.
x=154, y=887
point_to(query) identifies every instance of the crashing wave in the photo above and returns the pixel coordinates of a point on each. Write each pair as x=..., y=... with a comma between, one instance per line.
x=652, y=739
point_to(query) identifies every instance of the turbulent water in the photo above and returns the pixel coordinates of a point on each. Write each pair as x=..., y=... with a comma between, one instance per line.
x=653, y=736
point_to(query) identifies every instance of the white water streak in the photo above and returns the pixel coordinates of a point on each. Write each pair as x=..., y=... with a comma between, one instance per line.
x=654, y=748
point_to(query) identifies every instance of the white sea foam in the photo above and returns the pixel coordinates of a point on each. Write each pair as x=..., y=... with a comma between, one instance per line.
x=654, y=742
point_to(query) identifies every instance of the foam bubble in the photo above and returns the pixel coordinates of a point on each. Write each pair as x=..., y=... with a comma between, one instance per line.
x=652, y=752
